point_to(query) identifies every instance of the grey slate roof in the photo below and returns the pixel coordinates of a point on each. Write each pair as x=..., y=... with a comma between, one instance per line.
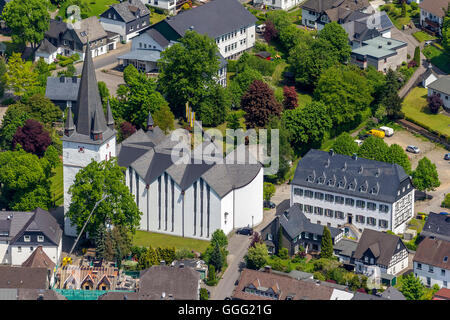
x=142, y=54
x=365, y=296
x=56, y=28
x=438, y=226
x=20, y=222
x=318, y=164
x=295, y=222
x=62, y=91
x=127, y=9
x=46, y=47
x=214, y=18
x=392, y=293
x=93, y=29
x=382, y=245
x=23, y=277
x=158, y=37
x=322, y=5
x=346, y=247
x=442, y=84
x=361, y=26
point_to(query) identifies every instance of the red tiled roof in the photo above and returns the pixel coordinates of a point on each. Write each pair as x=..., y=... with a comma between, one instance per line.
x=442, y=294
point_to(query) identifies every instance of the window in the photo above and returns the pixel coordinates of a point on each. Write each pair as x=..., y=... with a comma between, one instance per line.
x=31, y=249
x=339, y=214
x=19, y=249
x=371, y=221
x=428, y=281
x=318, y=195
x=329, y=213
x=430, y=269
x=360, y=204
x=26, y=238
x=443, y=272
x=384, y=208
x=269, y=236
x=383, y=223
x=298, y=192
x=371, y=261
x=318, y=210
x=419, y=266
x=40, y=238
x=349, y=202
x=308, y=208
x=339, y=199
x=445, y=258
x=329, y=197
x=371, y=206
x=315, y=235
x=445, y=283
x=309, y=193
x=360, y=219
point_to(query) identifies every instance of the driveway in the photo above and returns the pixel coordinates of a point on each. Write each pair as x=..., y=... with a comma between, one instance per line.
x=436, y=155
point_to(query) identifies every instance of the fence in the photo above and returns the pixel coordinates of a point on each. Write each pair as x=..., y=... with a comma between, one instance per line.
x=72, y=294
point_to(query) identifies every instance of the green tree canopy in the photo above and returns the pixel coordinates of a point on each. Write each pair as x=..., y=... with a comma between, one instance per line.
x=92, y=183
x=445, y=30
x=326, y=250
x=219, y=237
x=164, y=118
x=345, y=144
x=213, y=110
x=239, y=84
x=425, y=177
x=269, y=190
x=257, y=256
x=40, y=108
x=14, y=117
x=398, y=155
x=335, y=34
x=20, y=76
x=411, y=287
x=374, y=148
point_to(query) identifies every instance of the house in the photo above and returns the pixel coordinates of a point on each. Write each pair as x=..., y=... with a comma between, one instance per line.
x=63, y=91
x=392, y=293
x=441, y=88
x=381, y=53
x=297, y=231
x=380, y=254
x=428, y=76
x=364, y=296
x=442, y=294
x=344, y=250
x=431, y=263
x=277, y=4
x=21, y=233
x=169, y=5
x=55, y=33
x=267, y=285
x=126, y=18
x=317, y=13
x=196, y=264
x=46, y=51
x=437, y=226
x=13, y=277
x=227, y=21
x=432, y=13
x=30, y=294
x=345, y=190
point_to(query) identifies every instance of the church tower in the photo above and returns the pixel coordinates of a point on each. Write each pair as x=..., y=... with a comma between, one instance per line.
x=88, y=134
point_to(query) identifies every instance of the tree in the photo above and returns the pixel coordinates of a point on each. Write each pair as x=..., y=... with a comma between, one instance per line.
x=256, y=238
x=234, y=120
x=93, y=183
x=257, y=256
x=336, y=35
x=403, y=9
x=32, y=137
x=240, y=83
x=219, y=238
x=290, y=36
x=28, y=21
x=411, y=287
x=41, y=109
x=136, y=98
x=20, y=76
x=290, y=98
x=269, y=190
x=126, y=130
x=24, y=181
x=391, y=99
x=425, y=177
x=446, y=202
x=52, y=156
x=103, y=91
x=308, y=126
x=100, y=239
x=204, y=294
x=326, y=250
x=279, y=245
x=43, y=72
x=164, y=118
x=270, y=32
x=187, y=70
x=398, y=155
x=213, y=110
x=374, y=148
x=117, y=244
x=217, y=259
x=434, y=103
x=212, y=281
x=445, y=30
x=417, y=56
x=14, y=117
x=345, y=144
x=259, y=103
x=3, y=69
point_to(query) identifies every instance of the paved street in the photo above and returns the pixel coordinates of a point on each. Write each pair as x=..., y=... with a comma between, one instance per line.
x=107, y=59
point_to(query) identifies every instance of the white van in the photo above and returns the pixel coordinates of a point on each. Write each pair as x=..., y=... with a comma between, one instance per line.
x=387, y=131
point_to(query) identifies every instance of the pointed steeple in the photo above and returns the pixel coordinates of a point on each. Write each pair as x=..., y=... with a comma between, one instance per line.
x=109, y=117
x=89, y=102
x=150, y=122
x=69, y=126
x=96, y=128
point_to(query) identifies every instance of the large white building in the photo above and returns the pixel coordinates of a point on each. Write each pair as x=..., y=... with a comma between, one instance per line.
x=277, y=4
x=339, y=190
x=431, y=262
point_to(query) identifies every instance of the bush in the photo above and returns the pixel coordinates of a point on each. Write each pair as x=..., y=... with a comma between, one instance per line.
x=319, y=276
x=7, y=102
x=231, y=66
x=283, y=254
x=203, y=294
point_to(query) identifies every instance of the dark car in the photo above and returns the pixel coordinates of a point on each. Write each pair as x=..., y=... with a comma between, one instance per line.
x=364, y=137
x=447, y=156
x=269, y=204
x=245, y=231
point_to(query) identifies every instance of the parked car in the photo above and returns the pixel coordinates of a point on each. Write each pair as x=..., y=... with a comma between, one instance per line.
x=245, y=231
x=447, y=156
x=427, y=43
x=443, y=213
x=377, y=133
x=389, y=132
x=412, y=149
x=364, y=137
x=359, y=142
x=420, y=195
x=269, y=204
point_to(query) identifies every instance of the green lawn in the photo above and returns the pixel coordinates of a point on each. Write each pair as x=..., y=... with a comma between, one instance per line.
x=144, y=238
x=395, y=15
x=156, y=17
x=438, y=58
x=415, y=107
x=57, y=186
x=423, y=36
x=296, y=16
x=96, y=7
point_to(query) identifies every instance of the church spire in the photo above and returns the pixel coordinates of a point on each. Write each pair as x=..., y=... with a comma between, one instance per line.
x=150, y=122
x=69, y=126
x=89, y=102
x=109, y=117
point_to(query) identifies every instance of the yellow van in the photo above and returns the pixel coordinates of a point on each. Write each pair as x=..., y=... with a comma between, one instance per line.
x=377, y=133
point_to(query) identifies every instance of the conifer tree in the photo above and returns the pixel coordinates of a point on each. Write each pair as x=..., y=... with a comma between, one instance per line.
x=327, y=244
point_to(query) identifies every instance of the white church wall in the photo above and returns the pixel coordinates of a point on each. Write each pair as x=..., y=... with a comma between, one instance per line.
x=226, y=213
x=249, y=212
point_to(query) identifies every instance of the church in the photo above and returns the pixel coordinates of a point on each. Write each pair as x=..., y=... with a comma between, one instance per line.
x=188, y=200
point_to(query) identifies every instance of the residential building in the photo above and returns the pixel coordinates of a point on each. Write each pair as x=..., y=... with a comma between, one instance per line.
x=342, y=190
x=88, y=135
x=267, y=285
x=13, y=277
x=195, y=264
x=432, y=13
x=63, y=91
x=344, y=250
x=317, y=13
x=227, y=21
x=442, y=294
x=392, y=293
x=380, y=254
x=381, y=53
x=22, y=233
x=297, y=231
x=441, y=88
x=277, y=4
x=169, y=5
x=428, y=76
x=437, y=226
x=86, y=277
x=56, y=30
x=126, y=18
x=431, y=262
x=46, y=51
x=364, y=296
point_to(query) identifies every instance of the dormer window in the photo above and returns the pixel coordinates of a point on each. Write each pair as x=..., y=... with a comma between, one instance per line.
x=341, y=184
x=40, y=238
x=362, y=189
x=321, y=180
x=330, y=182
x=310, y=179
x=26, y=238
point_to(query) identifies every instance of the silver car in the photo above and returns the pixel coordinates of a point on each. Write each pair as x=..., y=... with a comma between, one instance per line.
x=413, y=149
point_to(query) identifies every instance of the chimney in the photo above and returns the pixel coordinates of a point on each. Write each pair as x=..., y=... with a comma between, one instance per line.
x=331, y=152
x=162, y=263
x=268, y=269
x=355, y=156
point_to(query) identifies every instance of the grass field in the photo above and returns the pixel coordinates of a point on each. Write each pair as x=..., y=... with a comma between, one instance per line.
x=423, y=36
x=156, y=17
x=57, y=187
x=144, y=238
x=96, y=7
x=438, y=58
x=296, y=16
x=415, y=107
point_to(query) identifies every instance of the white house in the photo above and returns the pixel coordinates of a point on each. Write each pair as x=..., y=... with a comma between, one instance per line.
x=431, y=262
x=127, y=19
x=277, y=4
x=441, y=88
x=169, y=5
x=428, y=76
x=21, y=233
x=47, y=51
x=432, y=13
x=339, y=190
